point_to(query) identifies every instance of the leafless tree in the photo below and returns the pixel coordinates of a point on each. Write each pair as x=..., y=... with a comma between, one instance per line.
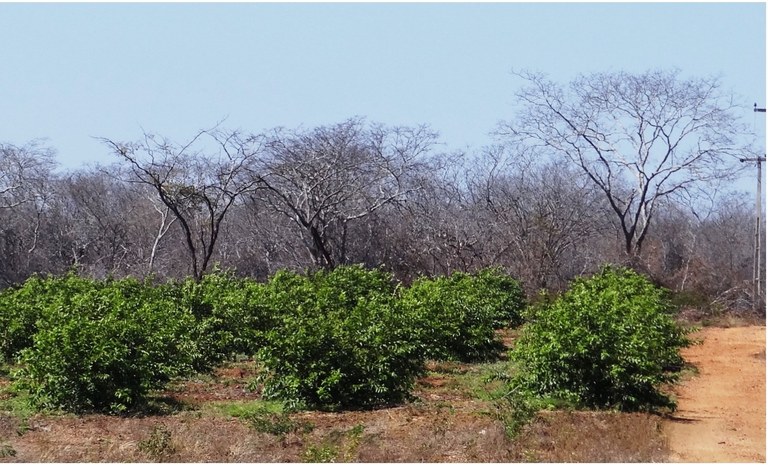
x=24, y=170
x=540, y=217
x=331, y=176
x=438, y=228
x=26, y=177
x=100, y=211
x=197, y=184
x=166, y=221
x=258, y=241
x=639, y=138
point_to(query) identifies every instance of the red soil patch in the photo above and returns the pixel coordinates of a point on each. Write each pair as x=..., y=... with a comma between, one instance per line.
x=721, y=411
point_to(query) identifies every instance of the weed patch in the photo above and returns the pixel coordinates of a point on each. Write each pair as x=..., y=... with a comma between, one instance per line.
x=239, y=409
x=16, y=403
x=338, y=446
x=275, y=423
x=6, y=450
x=514, y=413
x=323, y=453
x=159, y=445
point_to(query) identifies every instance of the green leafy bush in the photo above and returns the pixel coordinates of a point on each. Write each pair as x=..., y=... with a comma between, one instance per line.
x=341, y=341
x=608, y=342
x=455, y=316
x=500, y=293
x=21, y=307
x=231, y=313
x=104, y=346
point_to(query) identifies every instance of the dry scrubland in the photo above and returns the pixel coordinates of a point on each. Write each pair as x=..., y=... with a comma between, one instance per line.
x=721, y=417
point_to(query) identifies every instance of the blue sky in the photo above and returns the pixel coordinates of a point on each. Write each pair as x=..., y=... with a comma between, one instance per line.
x=69, y=72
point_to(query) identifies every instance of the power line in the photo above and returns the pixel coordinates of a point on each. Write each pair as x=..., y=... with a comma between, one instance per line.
x=758, y=206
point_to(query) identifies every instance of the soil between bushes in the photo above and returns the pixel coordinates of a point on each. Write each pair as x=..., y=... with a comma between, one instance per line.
x=447, y=423
x=721, y=418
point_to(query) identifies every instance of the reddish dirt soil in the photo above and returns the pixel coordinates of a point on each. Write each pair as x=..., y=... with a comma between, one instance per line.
x=446, y=425
x=227, y=384
x=721, y=410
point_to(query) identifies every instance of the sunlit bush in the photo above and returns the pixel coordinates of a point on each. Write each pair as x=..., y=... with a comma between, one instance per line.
x=455, y=316
x=341, y=341
x=105, y=345
x=608, y=342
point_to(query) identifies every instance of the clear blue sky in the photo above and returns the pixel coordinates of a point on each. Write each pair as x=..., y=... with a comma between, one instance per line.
x=72, y=71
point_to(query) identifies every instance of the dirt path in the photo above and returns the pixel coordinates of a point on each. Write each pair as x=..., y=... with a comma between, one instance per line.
x=721, y=411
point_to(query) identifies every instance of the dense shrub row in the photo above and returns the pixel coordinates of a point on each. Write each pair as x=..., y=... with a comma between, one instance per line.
x=96, y=345
x=457, y=314
x=346, y=338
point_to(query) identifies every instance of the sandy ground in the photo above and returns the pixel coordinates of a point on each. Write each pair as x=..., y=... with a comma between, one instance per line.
x=721, y=411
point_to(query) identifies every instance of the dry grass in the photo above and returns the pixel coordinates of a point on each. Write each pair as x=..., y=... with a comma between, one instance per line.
x=403, y=434
x=450, y=423
x=696, y=316
x=591, y=437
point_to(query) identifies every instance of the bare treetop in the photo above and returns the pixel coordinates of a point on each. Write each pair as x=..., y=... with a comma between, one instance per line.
x=24, y=170
x=324, y=178
x=638, y=137
x=198, y=185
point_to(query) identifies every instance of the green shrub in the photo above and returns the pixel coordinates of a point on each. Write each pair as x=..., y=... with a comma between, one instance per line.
x=106, y=346
x=456, y=315
x=340, y=342
x=501, y=293
x=21, y=307
x=231, y=316
x=608, y=342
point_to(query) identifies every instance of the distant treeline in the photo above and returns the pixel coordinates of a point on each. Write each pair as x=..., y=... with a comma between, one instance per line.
x=616, y=168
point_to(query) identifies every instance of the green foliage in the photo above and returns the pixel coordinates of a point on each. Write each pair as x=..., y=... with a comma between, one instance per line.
x=514, y=412
x=242, y=409
x=320, y=453
x=608, y=342
x=338, y=339
x=16, y=403
x=103, y=346
x=501, y=293
x=455, y=316
x=20, y=308
x=341, y=342
x=486, y=381
x=231, y=316
x=338, y=446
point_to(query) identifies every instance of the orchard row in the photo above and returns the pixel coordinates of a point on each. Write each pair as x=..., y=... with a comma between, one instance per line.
x=347, y=338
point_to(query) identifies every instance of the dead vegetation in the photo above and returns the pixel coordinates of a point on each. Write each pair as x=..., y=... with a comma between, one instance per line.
x=210, y=419
x=573, y=436
x=424, y=433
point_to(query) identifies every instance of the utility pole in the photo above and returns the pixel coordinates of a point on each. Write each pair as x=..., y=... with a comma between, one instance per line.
x=759, y=209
